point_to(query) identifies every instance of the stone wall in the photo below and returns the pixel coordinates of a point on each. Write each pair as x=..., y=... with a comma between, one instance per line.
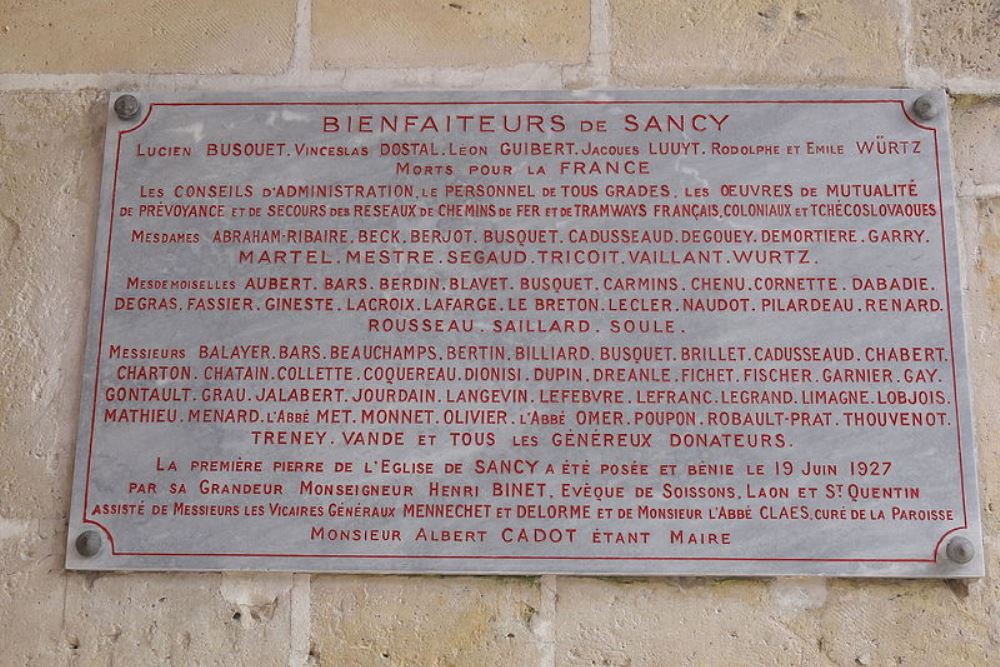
x=58, y=62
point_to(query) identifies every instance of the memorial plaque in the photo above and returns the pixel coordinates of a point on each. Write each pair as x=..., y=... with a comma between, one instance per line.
x=635, y=333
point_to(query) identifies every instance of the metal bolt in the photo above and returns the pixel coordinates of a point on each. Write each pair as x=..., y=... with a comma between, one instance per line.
x=960, y=550
x=88, y=543
x=926, y=107
x=126, y=107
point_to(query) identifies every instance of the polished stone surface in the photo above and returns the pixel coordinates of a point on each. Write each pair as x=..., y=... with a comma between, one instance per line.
x=707, y=241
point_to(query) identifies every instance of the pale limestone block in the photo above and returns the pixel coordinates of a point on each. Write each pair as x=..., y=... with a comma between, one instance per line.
x=756, y=42
x=32, y=592
x=903, y=623
x=957, y=37
x=224, y=36
x=51, y=616
x=50, y=159
x=980, y=229
x=178, y=618
x=975, y=137
x=419, y=33
x=776, y=622
x=417, y=621
x=655, y=622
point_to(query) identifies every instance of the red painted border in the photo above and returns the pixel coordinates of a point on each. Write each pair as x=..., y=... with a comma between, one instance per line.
x=947, y=291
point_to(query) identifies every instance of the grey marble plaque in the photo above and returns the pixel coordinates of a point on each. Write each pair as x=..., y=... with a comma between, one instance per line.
x=701, y=332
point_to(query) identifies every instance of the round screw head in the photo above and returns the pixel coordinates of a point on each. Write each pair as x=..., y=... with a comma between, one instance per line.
x=88, y=543
x=126, y=107
x=960, y=550
x=926, y=107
